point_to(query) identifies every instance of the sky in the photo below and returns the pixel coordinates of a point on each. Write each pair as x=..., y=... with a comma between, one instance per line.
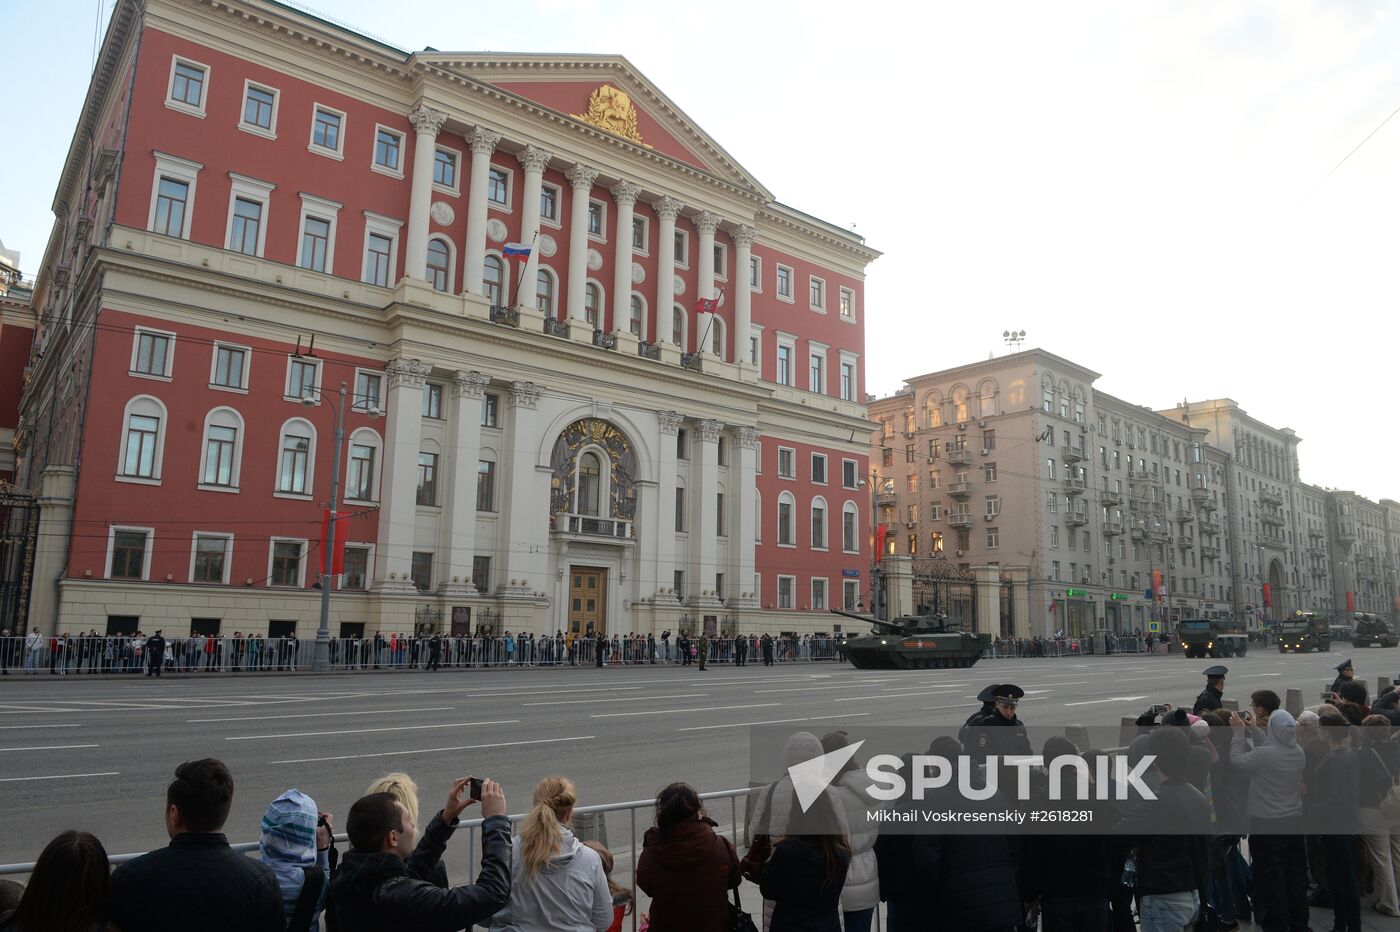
x=1149, y=189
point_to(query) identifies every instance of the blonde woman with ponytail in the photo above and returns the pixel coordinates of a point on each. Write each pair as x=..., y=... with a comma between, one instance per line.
x=558, y=883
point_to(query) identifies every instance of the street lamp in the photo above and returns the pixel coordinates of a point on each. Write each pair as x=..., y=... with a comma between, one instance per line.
x=322, y=661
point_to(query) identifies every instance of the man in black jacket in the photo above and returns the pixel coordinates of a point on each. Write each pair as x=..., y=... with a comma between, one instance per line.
x=1212, y=697
x=155, y=654
x=378, y=885
x=197, y=881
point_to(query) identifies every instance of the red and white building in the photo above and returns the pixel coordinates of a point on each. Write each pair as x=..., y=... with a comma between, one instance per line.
x=246, y=179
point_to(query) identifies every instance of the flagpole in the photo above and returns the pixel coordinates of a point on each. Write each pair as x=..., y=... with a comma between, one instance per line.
x=709, y=324
x=520, y=281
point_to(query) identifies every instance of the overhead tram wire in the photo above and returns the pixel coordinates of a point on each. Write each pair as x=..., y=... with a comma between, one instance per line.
x=1361, y=143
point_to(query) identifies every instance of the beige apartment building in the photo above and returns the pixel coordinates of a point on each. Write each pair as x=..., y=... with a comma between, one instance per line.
x=1123, y=517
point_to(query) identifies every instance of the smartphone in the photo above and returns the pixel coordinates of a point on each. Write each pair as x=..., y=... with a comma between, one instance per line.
x=474, y=789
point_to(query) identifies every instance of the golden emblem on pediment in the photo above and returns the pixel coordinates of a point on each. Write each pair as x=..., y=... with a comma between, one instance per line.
x=611, y=110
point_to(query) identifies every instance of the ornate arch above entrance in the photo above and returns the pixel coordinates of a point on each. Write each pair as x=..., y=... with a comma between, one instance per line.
x=595, y=433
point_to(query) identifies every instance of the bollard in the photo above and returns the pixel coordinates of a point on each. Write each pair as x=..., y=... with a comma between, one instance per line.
x=1293, y=704
x=591, y=826
x=1230, y=705
x=1079, y=735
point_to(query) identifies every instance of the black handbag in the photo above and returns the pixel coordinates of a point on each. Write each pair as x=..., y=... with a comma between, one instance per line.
x=739, y=921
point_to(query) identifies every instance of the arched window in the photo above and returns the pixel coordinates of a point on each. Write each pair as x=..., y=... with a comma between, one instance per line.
x=717, y=335
x=678, y=327
x=786, y=505
x=296, y=457
x=143, y=438
x=960, y=404
x=933, y=410
x=637, y=321
x=493, y=276
x=544, y=291
x=593, y=303
x=818, y=523
x=590, y=484
x=850, y=527
x=987, y=399
x=439, y=270
x=362, y=470
x=1047, y=396
x=223, y=449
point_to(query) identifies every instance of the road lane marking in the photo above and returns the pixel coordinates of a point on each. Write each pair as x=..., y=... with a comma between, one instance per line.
x=53, y=747
x=711, y=708
x=922, y=692
x=771, y=721
x=464, y=747
x=1100, y=701
x=263, y=718
x=365, y=731
x=624, y=699
x=60, y=776
x=19, y=727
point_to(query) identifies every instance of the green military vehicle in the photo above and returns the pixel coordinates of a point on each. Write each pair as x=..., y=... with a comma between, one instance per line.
x=1371, y=630
x=912, y=642
x=1304, y=631
x=1212, y=637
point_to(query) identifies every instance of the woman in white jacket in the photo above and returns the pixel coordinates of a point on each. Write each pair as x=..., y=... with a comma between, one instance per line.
x=557, y=884
x=861, y=892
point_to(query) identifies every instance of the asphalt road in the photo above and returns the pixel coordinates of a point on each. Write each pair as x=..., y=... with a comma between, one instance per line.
x=96, y=753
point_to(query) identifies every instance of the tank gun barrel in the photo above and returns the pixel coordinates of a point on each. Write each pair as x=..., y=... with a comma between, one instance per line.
x=886, y=627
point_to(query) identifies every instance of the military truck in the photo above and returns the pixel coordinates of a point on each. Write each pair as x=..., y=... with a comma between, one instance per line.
x=1212, y=637
x=1371, y=630
x=912, y=642
x=1304, y=631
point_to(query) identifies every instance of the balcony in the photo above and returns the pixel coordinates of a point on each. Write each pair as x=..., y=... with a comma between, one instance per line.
x=592, y=526
x=959, y=519
x=958, y=457
x=1157, y=533
x=1076, y=519
x=1317, y=549
x=1073, y=454
x=1139, y=530
x=556, y=328
x=886, y=498
x=959, y=489
x=1112, y=528
x=1186, y=543
x=1271, y=518
x=1076, y=486
x=1110, y=498
x=500, y=314
x=604, y=340
x=1210, y=527
x=1346, y=532
x=650, y=351
x=1200, y=494
x=1185, y=515
x=1210, y=551
x=1270, y=497
x=1141, y=475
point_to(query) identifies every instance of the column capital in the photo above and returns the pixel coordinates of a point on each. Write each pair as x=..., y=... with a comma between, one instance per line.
x=483, y=141
x=581, y=176
x=670, y=421
x=747, y=437
x=524, y=395
x=744, y=236
x=469, y=384
x=406, y=373
x=667, y=208
x=626, y=193
x=533, y=158
x=706, y=223
x=427, y=120
x=710, y=430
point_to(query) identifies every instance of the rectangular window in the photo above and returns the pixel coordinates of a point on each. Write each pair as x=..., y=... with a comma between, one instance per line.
x=755, y=273
x=849, y=531
x=678, y=582
x=816, y=289
x=682, y=444
x=993, y=505
x=432, y=401
x=819, y=468
x=247, y=225
x=933, y=479
x=848, y=381
x=720, y=529
x=1049, y=468
x=445, y=169
x=680, y=510
x=301, y=379
x=171, y=199
x=187, y=86
x=993, y=538
x=356, y=568
x=152, y=353
x=989, y=440
x=848, y=304
x=849, y=475
x=139, y=457
x=816, y=373
x=639, y=234
x=498, y=187
x=421, y=571
x=485, y=485
x=850, y=594
x=315, y=243
x=388, y=150
x=378, y=257
x=785, y=520
x=787, y=458
x=549, y=203
x=286, y=563
x=784, y=283
x=292, y=473
x=490, y=410
x=128, y=554
x=785, y=374
x=1054, y=535
x=818, y=595
x=682, y=250
x=427, y=478
x=230, y=364
x=210, y=557
x=481, y=573
x=818, y=527
x=720, y=270
x=367, y=391
x=989, y=472
x=258, y=106
x=595, y=219
x=359, y=482
x=326, y=127
x=786, y=584
x=218, y=455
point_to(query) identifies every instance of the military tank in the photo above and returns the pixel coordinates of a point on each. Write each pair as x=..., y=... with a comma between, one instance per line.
x=1371, y=630
x=912, y=642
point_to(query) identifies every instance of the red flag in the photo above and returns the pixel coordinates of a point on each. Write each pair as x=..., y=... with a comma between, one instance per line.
x=1157, y=584
x=707, y=305
x=1351, y=601
x=880, y=533
x=1268, y=596
x=338, y=560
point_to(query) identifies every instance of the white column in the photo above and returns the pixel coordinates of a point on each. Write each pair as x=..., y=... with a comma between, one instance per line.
x=705, y=224
x=426, y=123
x=704, y=515
x=533, y=160
x=665, y=523
x=743, y=468
x=522, y=497
x=398, y=486
x=625, y=195
x=483, y=143
x=581, y=177
x=459, y=502
x=743, y=304
x=667, y=209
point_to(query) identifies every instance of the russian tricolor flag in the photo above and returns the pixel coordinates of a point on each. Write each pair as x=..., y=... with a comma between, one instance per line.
x=516, y=249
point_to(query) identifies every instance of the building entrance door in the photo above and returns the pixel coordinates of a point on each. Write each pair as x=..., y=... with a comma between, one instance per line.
x=587, y=600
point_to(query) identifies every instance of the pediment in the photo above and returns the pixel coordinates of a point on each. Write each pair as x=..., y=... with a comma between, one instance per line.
x=607, y=93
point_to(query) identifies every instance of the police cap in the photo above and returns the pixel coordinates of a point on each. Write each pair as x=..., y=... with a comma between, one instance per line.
x=1008, y=693
x=1216, y=671
x=1344, y=665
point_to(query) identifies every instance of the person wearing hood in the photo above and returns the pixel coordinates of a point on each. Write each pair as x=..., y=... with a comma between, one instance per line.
x=862, y=890
x=685, y=867
x=559, y=883
x=376, y=887
x=1275, y=807
x=297, y=848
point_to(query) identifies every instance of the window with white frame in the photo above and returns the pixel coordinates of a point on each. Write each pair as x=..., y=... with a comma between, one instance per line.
x=368, y=391
x=493, y=277
x=285, y=563
x=640, y=230
x=678, y=327
x=294, y=462
x=818, y=594
x=848, y=377
x=356, y=567
x=993, y=505
x=597, y=220
x=129, y=552
x=756, y=273
x=388, y=151
x=381, y=249
x=362, y=470
x=993, y=538
x=229, y=368
x=189, y=86
x=303, y=378
x=209, y=557
x=787, y=463
x=259, y=110
x=717, y=340
x=816, y=293
x=787, y=505
x=545, y=290
x=316, y=238
x=593, y=304
x=432, y=401
x=850, y=474
x=818, y=526
x=152, y=353
x=426, y=492
x=850, y=594
x=143, y=439
x=721, y=262
x=439, y=264
x=247, y=214
x=785, y=373
x=819, y=469
x=850, y=527
x=816, y=369
x=490, y=410
x=446, y=167
x=637, y=319
x=498, y=186
x=172, y=196
x=223, y=450
x=682, y=249
x=784, y=286
x=848, y=304
x=551, y=197
x=328, y=131
x=786, y=585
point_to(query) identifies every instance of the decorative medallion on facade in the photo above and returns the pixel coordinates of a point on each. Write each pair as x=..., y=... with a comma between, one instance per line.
x=639, y=274
x=496, y=230
x=595, y=260
x=548, y=246
x=442, y=213
x=678, y=285
x=611, y=110
x=622, y=467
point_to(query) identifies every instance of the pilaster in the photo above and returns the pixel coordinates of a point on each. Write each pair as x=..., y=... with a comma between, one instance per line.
x=398, y=486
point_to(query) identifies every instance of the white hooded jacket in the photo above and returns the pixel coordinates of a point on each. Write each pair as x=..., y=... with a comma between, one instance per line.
x=569, y=894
